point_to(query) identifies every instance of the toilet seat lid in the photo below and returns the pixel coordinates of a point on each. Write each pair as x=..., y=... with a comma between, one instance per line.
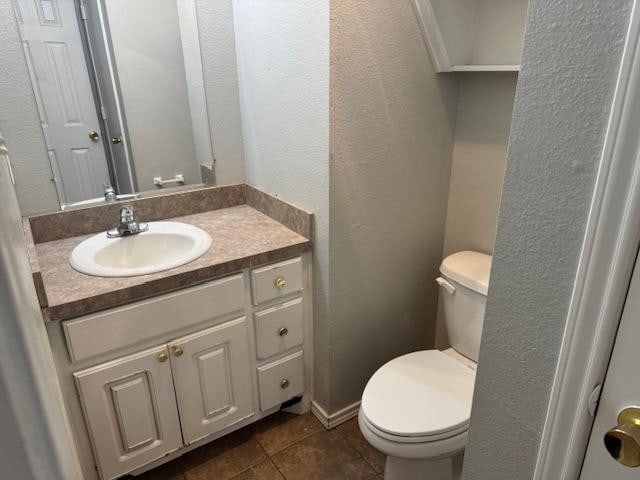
x=419, y=394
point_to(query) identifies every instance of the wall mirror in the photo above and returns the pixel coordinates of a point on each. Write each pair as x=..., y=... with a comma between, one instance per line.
x=120, y=93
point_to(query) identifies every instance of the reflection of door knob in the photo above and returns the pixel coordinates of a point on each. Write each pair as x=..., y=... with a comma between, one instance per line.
x=623, y=441
x=93, y=135
x=116, y=140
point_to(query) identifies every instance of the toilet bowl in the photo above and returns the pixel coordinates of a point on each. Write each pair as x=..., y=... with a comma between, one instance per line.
x=416, y=408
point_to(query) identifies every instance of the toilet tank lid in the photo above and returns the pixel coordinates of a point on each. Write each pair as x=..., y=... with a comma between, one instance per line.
x=470, y=269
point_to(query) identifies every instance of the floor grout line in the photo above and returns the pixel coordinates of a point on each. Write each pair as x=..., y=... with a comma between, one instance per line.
x=277, y=468
x=373, y=467
x=310, y=434
x=346, y=435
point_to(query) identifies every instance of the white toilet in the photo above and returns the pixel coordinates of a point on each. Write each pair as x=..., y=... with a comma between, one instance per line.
x=416, y=407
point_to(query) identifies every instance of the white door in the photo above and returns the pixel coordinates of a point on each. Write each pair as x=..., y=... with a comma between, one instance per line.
x=212, y=376
x=130, y=410
x=55, y=56
x=612, y=436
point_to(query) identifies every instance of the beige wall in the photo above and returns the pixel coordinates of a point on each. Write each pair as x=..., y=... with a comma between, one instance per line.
x=485, y=105
x=392, y=126
x=381, y=198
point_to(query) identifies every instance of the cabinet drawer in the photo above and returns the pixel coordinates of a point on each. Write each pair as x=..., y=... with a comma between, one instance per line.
x=281, y=380
x=279, y=329
x=278, y=280
x=103, y=332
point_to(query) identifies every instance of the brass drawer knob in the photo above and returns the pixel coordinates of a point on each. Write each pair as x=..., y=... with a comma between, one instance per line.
x=280, y=283
x=284, y=384
x=163, y=357
x=177, y=351
x=283, y=331
x=623, y=441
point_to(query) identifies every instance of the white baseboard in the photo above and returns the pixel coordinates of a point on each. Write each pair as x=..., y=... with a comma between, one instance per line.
x=337, y=418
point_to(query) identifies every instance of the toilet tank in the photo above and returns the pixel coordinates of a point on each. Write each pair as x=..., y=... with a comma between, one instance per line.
x=464, y=282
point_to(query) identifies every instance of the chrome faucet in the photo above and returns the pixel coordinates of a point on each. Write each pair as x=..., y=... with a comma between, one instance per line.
x=127, y=226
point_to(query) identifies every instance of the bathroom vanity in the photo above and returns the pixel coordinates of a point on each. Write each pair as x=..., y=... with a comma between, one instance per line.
x=153, y=366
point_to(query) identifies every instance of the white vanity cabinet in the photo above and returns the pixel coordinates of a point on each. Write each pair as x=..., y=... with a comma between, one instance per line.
x=130, y=403
x=148, y=381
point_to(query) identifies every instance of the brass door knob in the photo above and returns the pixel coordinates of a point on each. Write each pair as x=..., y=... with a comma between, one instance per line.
x=623, y=441
x=280, y=283
x=162, y=357
x=93, y=135
x=116, y=140
x=284, y=384
x=177, y=351
x=283, y=331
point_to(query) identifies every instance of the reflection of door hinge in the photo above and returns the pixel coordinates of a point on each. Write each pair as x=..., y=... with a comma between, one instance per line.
x=594, y=399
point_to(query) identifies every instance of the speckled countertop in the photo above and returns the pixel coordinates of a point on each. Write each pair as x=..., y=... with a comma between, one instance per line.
x=242, y=237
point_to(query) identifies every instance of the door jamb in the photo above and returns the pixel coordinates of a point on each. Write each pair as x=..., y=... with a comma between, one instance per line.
x=604, y=271
x=112, y=84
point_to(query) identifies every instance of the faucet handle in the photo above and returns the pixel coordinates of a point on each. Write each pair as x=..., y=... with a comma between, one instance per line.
x=126, y=214
x=109, y=193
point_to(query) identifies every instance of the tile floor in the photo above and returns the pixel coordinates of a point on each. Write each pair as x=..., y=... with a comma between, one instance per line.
x=280, y=447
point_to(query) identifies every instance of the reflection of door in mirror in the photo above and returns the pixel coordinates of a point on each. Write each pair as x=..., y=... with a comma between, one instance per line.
x=61, y=84
x=120, y=91
x=148, y=47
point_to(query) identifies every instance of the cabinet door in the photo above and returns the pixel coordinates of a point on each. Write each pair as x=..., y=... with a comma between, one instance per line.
x=212, y=376
x=130, y=410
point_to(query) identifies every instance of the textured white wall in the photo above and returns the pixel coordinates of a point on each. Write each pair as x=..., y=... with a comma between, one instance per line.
x=485, y=105
x=36, y=441
x=20, y=122
x=283, y=65
x=570, y=63
x=392, y=125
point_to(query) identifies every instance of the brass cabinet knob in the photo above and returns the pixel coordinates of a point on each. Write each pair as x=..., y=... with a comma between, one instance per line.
x=283, y=331
x=280, y=283
x=162, y=357
x=177, y=351
x=284, y=384
x=93, y=135
x=623, y=441
x=116, y=140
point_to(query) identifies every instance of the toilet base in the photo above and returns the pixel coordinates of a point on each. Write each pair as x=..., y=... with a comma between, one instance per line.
x=449, y=468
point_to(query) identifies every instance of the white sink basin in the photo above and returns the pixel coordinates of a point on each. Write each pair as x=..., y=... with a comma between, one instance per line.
x=165, y=245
